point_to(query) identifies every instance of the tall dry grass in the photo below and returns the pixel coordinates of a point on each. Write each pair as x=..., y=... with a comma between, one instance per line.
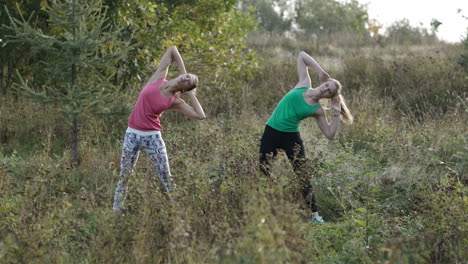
x=391, y=186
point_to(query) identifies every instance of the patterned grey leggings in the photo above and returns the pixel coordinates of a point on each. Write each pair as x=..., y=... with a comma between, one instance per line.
x=154, y=146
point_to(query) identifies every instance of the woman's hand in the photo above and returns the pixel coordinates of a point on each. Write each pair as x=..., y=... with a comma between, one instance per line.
x=193, y=91
x=171, y=55
x=336, y=105
x=324, y=76
x=304, y=61
x=195, y=111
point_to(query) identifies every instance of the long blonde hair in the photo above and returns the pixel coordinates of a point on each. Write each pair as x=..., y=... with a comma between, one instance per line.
x=345, y=114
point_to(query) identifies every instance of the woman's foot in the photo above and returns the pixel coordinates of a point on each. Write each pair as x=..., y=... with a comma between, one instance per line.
x=317, y=219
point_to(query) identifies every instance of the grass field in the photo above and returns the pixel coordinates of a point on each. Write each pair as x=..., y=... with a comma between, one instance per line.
x=392, y=186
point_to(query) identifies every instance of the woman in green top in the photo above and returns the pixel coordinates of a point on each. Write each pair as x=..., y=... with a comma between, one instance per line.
x=282, y=128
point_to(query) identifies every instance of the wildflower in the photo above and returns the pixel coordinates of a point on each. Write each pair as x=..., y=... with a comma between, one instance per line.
x=329, y=174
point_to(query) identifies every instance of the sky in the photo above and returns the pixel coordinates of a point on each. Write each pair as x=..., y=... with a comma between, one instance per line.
x=421, y=12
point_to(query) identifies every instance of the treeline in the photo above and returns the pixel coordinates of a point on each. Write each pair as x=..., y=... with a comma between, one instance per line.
x=331, y=17
x=79, y=55
x=84, y=56
x=210, y=33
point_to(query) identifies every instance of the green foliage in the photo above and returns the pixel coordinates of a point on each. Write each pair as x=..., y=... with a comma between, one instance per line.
x=445, y=204
x=212, y=44
x=435, y=24
x=463, y=59
x=12, y=57
x=269, y=19
x=420, y=85
x=325, y=17
x=77, y=59
x=402, y=32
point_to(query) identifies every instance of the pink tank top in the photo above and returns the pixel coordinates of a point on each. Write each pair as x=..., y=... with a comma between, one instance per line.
x=149, y=107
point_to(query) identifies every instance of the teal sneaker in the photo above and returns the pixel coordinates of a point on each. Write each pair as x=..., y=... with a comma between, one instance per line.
x=317, y=219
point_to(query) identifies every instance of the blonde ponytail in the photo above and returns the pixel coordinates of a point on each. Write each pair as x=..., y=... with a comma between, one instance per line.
x=346, y=115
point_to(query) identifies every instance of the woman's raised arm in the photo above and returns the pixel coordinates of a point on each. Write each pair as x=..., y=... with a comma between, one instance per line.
x=171, y=55
x=304, y=60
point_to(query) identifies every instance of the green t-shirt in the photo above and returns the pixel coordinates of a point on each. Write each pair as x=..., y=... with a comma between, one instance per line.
x=291, y=110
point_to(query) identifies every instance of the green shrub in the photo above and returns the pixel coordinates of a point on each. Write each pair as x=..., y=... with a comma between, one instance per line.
x=419, y=86
x=463, y=59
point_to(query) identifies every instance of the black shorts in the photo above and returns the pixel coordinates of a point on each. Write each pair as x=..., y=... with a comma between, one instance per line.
x=290, y=142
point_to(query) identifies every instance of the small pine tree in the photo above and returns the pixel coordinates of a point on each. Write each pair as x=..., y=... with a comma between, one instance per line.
x=78, y=58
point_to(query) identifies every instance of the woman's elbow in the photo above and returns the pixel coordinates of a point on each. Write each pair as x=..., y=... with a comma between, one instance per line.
x=172, y=49
x=330, y=135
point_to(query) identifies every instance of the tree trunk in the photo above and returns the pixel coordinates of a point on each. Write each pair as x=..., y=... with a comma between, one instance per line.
x=76, y=154
x=1, y=80
x=75, y=151
x=9, y=74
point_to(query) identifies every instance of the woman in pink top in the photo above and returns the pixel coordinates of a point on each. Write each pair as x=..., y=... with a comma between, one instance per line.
x=144, y=127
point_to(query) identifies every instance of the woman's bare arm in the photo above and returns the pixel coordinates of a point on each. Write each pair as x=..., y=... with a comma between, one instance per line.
x=171, y=55
x=304, y=60
x=327, y=129
x=195, y=111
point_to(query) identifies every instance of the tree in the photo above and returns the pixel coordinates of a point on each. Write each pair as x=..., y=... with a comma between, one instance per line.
x=77, y=58
x=330, y=16
x=272, y=15
x=463, y=59
x=435, y=24
x=15, y=57
x=209, y=33
x=374, y=27
x=402, y=32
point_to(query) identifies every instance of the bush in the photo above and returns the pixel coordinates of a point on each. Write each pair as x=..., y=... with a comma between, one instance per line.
x=463, y=59
x=420, y=86
x=401, y=32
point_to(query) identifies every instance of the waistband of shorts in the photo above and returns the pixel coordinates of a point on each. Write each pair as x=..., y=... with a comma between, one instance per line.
x=269, y=128
x=143, y=133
